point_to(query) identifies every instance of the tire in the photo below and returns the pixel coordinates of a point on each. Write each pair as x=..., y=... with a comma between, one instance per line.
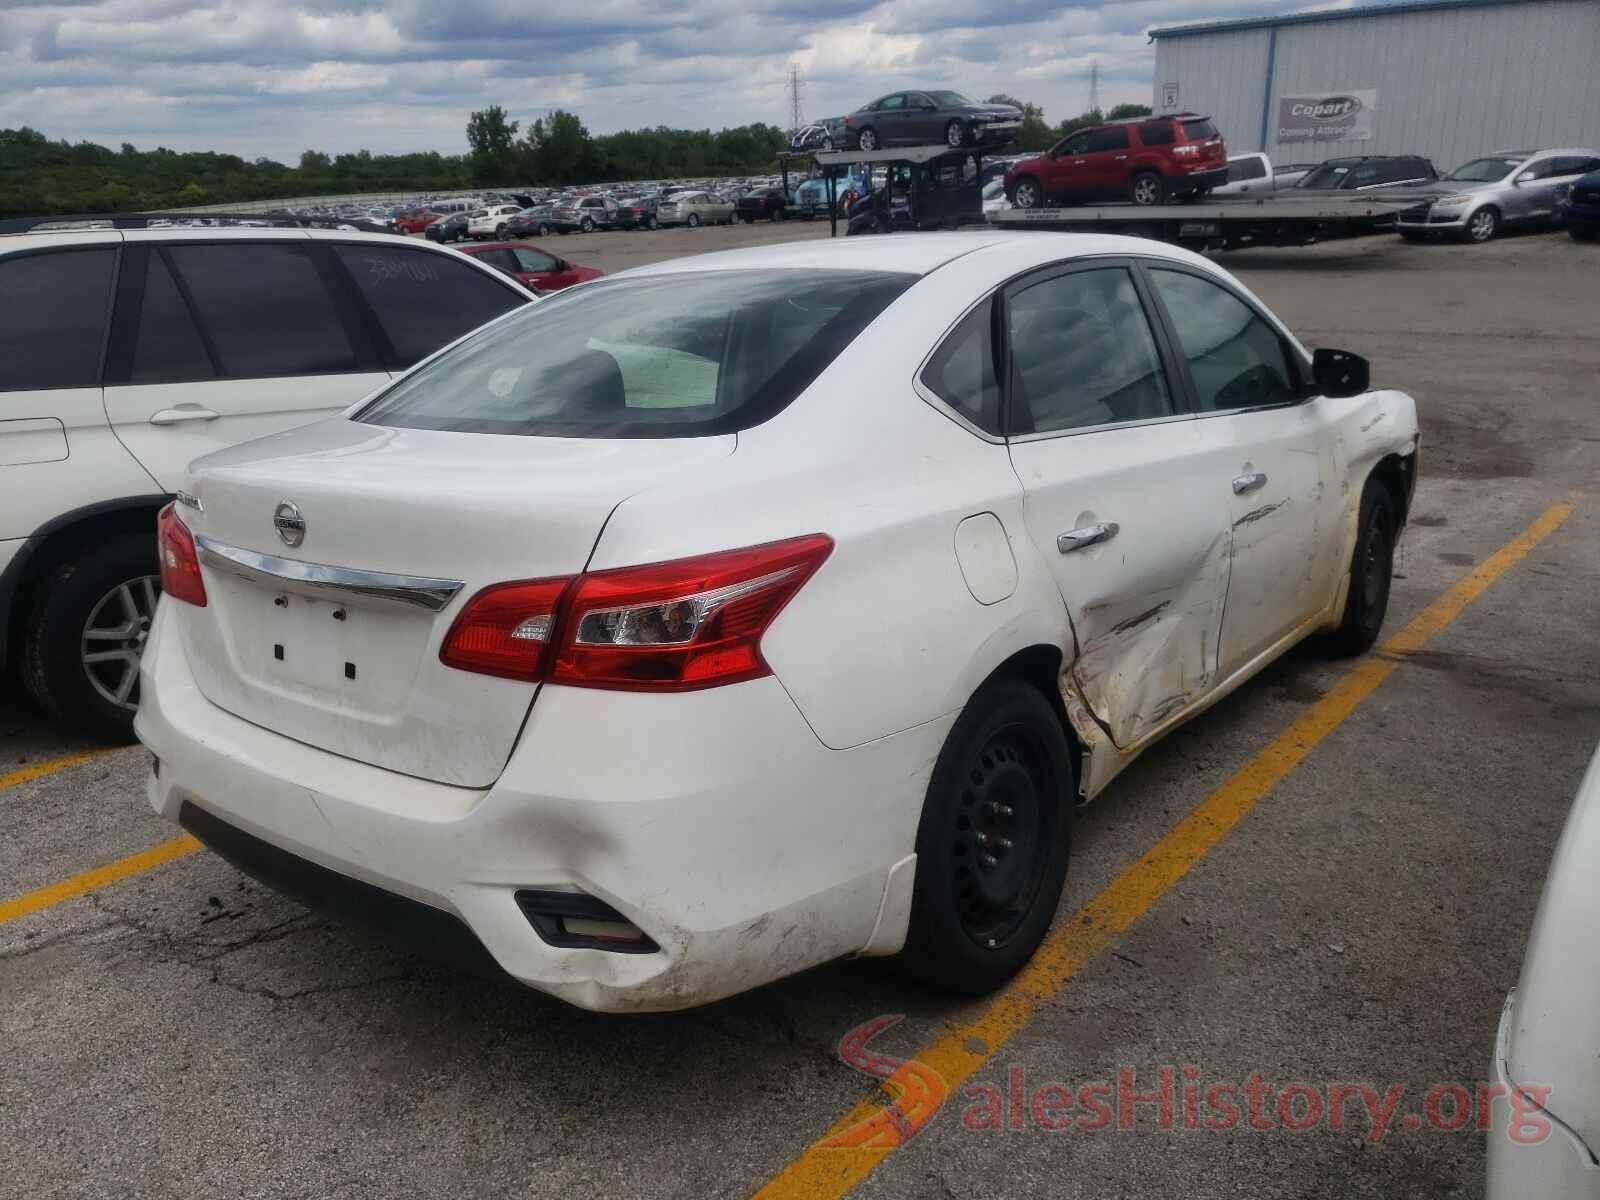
x=749, y=220
x=694, y=221
x=500, y=231
x=777, y=214
x=1583, y=233
x=1027, y=193
x=1148, y=189
x=867, y=140
x=980, y=908
x=587, y=225
x=955, y=135
x=544, y=230
x=82, y=593
x=1371, y=573
x=1483, y=225
x=652, y=223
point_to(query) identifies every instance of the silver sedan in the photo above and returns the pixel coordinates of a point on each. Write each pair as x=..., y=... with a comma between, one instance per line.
x=1510, y=187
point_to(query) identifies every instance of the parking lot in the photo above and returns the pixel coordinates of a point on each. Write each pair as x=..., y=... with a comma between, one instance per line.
x=1327, y=879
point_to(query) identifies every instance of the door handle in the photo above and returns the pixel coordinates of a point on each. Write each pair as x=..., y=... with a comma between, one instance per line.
x=1120, y=157
x=1086, y=535
x=184, y=412
x=1249, y=483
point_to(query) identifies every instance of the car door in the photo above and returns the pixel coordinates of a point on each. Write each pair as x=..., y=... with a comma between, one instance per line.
x=1566, y=170
x=217, y=342
x=1536, y=189
x=1120, y=492
x=1107, y=160
x=541, y=270
x=57, y=452
x=922, y=121
x=892, y=119
x=1280, y=480
x=1065, y=168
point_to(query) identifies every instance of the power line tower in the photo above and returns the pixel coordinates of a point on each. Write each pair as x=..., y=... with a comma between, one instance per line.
x=796, y=91
x=1094, y=86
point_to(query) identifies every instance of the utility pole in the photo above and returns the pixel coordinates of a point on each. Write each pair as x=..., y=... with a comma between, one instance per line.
x=1094, y=86
x=796, y=90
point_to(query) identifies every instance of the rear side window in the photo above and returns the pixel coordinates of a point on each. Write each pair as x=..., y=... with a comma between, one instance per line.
x=168, y=348
x=1246, y=168
x=1236, y=359
x=674, y=355
x=962, y=370
x=1200, y=129
x=1159, y=133
x=1114, y=138
x=264, y=307
x=1082, y=354
x=53, y=318
x=422, y=300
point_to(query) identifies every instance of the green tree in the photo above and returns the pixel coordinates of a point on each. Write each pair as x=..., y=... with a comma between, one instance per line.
x=1123, y=112
x=492, y=141
x=559, y=150
x=1082, y=121
x=314, y=162
x=1035, y=134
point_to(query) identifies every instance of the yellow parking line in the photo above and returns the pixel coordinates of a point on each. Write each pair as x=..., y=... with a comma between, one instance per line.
x=134, y=864
x=50, y=766
x=830, y=1167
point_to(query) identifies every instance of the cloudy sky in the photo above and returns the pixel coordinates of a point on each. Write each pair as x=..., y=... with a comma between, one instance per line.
x=274, y=77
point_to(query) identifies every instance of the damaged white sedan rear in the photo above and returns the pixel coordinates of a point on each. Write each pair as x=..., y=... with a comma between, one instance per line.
x=737, y=614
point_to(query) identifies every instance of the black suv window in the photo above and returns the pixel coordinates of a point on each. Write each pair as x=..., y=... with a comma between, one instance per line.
x=1236, y=359
x=53, y=318
x=962, y=372
x=168, y=347
x=1158, y=133
x=423, y=300
x=1114, y=137
x=1082, y=354
x=264, y=307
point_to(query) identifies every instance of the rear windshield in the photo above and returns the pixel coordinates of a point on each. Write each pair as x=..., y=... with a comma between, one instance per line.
x=1200, y=129
x=660, y=356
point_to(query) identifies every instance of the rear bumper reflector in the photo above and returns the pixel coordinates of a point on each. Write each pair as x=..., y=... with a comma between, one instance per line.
x=574, y=921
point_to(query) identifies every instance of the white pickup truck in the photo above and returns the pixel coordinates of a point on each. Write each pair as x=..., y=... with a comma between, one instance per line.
x=1255, y=173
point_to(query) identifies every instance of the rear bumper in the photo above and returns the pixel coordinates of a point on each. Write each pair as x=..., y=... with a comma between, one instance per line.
x=714, y=821
x=1556, y=1166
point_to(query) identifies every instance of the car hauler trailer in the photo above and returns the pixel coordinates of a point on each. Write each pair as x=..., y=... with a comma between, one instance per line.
x=940, y=192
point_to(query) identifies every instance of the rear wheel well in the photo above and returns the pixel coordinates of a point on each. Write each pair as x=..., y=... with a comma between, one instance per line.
x=60, y=545
x=1040, y=667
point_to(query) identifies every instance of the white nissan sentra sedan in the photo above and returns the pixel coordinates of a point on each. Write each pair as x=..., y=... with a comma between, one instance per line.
x=740, y=613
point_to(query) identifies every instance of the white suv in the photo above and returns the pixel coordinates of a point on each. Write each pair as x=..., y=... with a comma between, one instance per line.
x=126, y=352
x=491, y=222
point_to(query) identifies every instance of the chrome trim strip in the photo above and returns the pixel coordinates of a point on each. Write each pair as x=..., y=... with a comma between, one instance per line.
x=321, y=582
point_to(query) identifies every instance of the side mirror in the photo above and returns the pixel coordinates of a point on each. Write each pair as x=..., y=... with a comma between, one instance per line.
x=1525, y=177
x=1339, y=373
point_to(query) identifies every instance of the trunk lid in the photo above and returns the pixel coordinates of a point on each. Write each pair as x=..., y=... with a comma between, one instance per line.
x=334, y=641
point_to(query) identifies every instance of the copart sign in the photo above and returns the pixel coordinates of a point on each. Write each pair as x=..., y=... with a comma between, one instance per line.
x=1327, y=117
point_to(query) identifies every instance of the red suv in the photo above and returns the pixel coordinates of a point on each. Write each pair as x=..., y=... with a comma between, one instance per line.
x=532, y=266
x=1149, y=160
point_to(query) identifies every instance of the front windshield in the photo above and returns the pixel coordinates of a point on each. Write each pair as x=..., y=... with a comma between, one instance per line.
x=1484, y=170
x=949, y=99
x=673, y=355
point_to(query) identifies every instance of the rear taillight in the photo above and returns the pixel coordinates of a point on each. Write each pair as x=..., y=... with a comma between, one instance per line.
x=506, y=630
x=674, y=626
x=664, y=627
x=180, y=565
x=1188, y=150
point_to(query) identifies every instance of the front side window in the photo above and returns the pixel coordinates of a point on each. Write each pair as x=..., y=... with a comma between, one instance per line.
x=674, y=355
x=534, y=260
x=1082, y=354
x=265, y=308
x=422, y=300
x=962, y=370
x=889, y=103
x=1077, y=144
x=1236, y=359
x=53, y=318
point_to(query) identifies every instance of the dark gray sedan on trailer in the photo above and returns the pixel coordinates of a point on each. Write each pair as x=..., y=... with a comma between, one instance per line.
x=918, y=118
